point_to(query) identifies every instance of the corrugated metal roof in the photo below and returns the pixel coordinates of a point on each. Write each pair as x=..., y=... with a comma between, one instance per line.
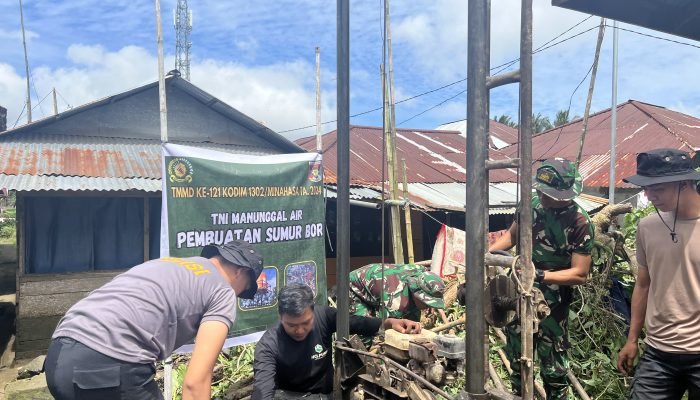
x=502, y=197
x=432, y=156
x=30, y=183
x=640, y=127
x=501, y=135
x=200, y=95
x=356, y=193
x=50, y=158
x=452, y=197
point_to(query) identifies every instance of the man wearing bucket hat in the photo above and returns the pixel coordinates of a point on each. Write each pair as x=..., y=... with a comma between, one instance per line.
x=562, y=240
x=666, y=295
x=106, y=345
x=406, y=289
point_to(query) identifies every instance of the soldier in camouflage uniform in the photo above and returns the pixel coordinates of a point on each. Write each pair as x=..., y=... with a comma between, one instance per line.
x=408, y=289
x=562, y=236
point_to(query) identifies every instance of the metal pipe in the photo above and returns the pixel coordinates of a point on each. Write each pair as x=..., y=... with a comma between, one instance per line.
x=525, y=222
x=613, y=120
x=399, y=366
x=503, y=79
x=499, y=164
x=365, y=204
x=499, y=260
x=343, y=200
x=478, y=57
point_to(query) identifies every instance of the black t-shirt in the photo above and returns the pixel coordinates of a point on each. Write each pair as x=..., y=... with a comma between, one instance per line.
x=306, y=366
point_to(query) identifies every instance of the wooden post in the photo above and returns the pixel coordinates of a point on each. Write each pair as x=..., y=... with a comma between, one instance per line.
x=396, y=241
x=55, y=103
x=146, y=229
x=319, y=147
x=26, y=64
x=407, y=215
x=587, y=111
x=161, y=79
x=391, y=151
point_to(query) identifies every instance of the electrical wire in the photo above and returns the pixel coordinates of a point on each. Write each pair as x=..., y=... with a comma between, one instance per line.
x=655, y=37
x=503, y=66
x=24, y=107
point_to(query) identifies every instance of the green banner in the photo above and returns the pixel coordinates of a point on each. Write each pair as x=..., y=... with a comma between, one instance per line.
x=274, y=202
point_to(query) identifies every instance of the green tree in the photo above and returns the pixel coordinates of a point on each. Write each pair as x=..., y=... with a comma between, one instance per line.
x=540, y=123
x=506, y=120
x=561, y=118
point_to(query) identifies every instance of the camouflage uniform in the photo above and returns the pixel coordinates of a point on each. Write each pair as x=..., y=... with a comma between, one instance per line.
x=556, y=234
x=400, y=282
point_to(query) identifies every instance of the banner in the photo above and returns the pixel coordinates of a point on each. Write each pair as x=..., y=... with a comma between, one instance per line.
x=274, y=202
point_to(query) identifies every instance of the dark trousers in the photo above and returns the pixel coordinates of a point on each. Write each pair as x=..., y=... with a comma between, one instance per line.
x=661, y=375
x=76, y=372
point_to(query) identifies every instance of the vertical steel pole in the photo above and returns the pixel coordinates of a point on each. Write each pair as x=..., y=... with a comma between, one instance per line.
x=478, y=58
x=613, y=120
x=525, y=223
x=343, y=200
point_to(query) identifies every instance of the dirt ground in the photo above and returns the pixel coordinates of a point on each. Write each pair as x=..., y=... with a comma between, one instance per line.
x=7, y=327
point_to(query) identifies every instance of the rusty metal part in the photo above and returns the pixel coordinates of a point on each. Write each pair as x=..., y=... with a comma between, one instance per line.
x=400, y=367
x=423, y=351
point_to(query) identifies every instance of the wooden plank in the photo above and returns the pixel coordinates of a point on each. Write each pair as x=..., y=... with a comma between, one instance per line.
x=29, y=329
x=71, y=275
x=47, y=305
x=73, y=284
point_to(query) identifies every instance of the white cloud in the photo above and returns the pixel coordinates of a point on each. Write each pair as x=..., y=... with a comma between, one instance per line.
x=281, y=95
x=17, y=35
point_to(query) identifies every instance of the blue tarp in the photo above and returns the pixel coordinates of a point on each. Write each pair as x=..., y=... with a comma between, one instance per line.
x=81, y=234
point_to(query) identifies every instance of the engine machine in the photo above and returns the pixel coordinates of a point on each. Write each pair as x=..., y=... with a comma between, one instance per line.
x=439, y=359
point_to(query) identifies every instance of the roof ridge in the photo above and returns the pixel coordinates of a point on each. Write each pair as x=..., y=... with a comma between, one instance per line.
x=676, y=135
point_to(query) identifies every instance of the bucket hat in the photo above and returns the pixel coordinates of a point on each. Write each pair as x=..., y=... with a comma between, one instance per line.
x=663, y=166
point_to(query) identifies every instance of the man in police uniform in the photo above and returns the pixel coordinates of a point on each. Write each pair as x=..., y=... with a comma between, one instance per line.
x=405, y=291
x=562, y=236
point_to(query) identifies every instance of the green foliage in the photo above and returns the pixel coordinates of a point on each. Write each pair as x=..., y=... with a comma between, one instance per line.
x=631, y=221
x=7, y=224
x=237, y=367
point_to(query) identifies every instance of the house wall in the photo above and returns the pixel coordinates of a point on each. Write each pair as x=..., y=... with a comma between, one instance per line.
x=43, y=299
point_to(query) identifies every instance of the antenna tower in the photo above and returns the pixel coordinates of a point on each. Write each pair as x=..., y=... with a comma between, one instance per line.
x=182, y=18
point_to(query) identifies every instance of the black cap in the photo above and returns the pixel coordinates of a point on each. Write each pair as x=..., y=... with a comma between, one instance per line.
x=662, y=166
x=240, y=254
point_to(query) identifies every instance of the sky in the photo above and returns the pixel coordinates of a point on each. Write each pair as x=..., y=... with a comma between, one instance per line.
x=259, y=57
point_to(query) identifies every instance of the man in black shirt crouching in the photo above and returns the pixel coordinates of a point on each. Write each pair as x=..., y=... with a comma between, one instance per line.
x=295, y=354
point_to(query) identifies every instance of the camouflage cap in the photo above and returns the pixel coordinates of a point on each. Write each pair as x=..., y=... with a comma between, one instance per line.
x=428, y=288
x=558, y=179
